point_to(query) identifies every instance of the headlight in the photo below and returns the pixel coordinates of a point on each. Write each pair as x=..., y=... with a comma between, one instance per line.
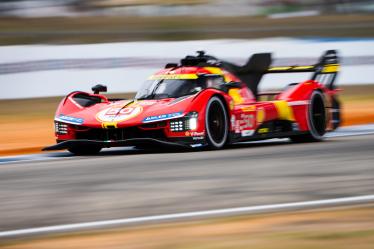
x=192, y=121
x=177, y=125
x=61, y=128
x=188, y=122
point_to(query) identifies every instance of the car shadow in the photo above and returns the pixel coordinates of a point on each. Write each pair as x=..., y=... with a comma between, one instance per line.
x=165, y=150
x=119, y=151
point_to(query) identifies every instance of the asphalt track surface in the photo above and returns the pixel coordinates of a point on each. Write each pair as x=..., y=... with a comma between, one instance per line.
x=127, y=183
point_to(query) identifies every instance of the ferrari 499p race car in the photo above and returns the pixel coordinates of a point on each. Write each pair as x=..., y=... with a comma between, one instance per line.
x=203, y=102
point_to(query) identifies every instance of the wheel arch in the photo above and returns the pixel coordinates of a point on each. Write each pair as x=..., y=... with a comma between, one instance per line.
x=226, y=104
x=200, y=100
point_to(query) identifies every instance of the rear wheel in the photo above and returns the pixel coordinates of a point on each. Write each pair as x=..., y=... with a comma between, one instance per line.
x=216, y=123
x=336, y=115
x=85, y=150
x=316, y=120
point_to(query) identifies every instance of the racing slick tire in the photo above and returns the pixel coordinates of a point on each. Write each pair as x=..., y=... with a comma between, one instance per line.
x=336, y=115
x=216, y=123
x=85, y=150
x=316, y=118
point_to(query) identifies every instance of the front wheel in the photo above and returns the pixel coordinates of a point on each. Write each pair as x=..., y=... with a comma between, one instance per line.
x=316, y=118
x=216, y=123
x=85, y=150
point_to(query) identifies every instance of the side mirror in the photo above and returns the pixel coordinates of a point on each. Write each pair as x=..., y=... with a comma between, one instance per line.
x=233, y=84
x=99, y=88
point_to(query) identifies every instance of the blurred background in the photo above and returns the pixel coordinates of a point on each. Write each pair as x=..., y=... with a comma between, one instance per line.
x=77, y=21
x=53, y=47
x=52, y=8
x=49, y=48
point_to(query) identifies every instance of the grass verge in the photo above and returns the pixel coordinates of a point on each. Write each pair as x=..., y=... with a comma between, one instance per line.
x=59, y=30
x=339, y=228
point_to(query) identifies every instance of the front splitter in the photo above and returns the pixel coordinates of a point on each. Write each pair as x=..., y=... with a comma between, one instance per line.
x=118, y=143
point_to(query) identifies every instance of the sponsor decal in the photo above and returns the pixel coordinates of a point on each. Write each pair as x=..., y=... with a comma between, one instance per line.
x=194, y=134
x=173, y=77
x=69, y=119
x=198, y=138
x=246, y=122
x=247, y=133
x=196, y=145
x=146, y=102
x=119, y=113
x=250, y=108
x=163, y=117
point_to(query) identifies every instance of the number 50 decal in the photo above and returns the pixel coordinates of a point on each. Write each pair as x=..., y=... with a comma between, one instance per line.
x=118, y=114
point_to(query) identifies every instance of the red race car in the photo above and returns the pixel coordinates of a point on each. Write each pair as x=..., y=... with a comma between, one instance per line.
x=203, y=102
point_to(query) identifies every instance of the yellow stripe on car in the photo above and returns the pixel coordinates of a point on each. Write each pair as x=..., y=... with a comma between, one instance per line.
x=107, y=125
x=214, y=70
x=173, y=77
x=218, y=71
x=279, y=68
x=330, y=68
x=303, y=67
x=260, y=115
x=235, y=95
x=250, y=108
x=290, y=68
x=263, y=130
x=285, y=112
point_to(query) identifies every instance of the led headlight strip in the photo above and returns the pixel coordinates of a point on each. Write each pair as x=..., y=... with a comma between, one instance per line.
x=188, y=122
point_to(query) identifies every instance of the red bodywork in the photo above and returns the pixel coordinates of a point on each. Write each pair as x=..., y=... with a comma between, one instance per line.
x=117, y=121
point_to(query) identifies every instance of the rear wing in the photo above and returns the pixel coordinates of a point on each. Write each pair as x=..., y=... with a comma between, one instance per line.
x=325, y=71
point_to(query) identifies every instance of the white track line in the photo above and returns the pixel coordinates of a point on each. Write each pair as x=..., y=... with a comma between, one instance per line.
x=178, y=216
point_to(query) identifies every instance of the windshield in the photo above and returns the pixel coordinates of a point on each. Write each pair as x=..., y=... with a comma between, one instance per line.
x=175, y=88
x=166, y=88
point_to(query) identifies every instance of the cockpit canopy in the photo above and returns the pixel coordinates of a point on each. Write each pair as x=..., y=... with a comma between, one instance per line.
x=175, y=86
